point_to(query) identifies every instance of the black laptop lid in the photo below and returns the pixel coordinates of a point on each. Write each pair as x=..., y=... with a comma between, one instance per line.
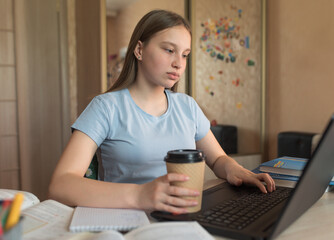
x=316, y=176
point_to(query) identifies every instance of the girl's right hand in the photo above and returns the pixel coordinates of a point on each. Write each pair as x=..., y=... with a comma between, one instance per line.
x=160, y=195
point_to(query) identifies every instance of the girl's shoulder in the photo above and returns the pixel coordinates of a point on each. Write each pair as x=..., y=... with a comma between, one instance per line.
x=111, y=97
x=109, y=101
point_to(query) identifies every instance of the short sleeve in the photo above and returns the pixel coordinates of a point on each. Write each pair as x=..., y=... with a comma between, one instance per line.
x=202, y=122
x=94, y=121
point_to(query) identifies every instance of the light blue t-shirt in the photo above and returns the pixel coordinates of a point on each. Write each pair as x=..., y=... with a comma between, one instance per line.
x=132, y=143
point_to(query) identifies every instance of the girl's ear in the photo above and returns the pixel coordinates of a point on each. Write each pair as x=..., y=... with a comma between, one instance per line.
x=138, y=50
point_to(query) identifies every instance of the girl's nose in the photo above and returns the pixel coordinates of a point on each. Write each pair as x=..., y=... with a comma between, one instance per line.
x=177, y=63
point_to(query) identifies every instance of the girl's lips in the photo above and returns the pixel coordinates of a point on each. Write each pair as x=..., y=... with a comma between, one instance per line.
x=173, y=75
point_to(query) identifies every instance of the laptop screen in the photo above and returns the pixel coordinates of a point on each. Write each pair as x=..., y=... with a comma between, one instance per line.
x=313, y=182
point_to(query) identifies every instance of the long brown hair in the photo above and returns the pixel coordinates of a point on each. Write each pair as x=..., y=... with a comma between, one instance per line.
x=153, y=22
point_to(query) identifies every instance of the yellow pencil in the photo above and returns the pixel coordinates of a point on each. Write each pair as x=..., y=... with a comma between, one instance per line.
x=14, y=212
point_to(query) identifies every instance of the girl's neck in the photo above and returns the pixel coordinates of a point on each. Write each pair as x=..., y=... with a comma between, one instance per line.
x=147, y=93
x=151, y=100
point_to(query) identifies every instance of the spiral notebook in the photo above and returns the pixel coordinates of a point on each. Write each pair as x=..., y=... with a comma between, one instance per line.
x=100, y=219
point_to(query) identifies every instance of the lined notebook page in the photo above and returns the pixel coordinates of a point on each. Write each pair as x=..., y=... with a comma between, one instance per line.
x=101, y=219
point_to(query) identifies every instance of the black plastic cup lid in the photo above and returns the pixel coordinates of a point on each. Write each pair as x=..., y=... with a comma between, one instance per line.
x=184, y=156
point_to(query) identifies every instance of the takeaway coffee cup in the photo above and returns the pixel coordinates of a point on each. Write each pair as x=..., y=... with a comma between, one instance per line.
x=191, y=163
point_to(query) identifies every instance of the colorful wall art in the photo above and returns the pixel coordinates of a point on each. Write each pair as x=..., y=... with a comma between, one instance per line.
x=227, y=67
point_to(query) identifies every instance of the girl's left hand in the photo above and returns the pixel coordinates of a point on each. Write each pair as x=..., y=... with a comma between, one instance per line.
x=237, y=175
x=227, y=168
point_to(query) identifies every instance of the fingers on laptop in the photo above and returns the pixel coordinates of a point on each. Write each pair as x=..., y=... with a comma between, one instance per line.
x=270, y=183
x=258, y=179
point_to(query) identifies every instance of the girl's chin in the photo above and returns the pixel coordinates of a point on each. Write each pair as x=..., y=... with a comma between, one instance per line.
x=171, y=83
x=167, y=84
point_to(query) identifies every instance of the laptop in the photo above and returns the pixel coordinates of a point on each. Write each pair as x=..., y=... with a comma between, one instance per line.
x=223, y=206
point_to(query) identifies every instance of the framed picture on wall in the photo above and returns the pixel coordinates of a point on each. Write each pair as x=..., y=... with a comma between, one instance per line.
x=227, y=66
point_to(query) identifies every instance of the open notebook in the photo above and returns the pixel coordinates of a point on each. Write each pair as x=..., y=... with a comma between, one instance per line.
x=101, y=219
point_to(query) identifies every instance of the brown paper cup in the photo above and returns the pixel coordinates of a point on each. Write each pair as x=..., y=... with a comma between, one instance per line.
x=195, y=171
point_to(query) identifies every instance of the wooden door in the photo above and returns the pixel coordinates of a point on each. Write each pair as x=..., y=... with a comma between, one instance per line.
x=43, y=117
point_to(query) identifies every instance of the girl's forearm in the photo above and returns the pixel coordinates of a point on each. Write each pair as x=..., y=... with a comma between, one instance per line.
x=74, y=190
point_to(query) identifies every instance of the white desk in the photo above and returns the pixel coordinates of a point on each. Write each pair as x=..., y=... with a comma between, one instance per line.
x=316, y=223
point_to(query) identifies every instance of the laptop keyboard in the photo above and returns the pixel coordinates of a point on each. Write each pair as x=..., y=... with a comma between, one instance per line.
x=239, y=213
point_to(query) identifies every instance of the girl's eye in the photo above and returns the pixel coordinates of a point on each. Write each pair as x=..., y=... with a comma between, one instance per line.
x=169, y=50
x=186, y=55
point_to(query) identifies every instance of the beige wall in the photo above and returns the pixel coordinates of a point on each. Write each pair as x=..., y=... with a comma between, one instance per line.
x=9, y=161
x=300, y=82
